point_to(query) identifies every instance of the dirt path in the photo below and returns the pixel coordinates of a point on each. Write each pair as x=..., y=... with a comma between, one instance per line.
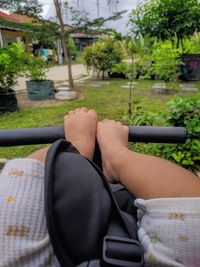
x=57, y=73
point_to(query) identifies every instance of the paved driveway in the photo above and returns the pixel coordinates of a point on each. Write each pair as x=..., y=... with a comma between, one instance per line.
x=57, y=73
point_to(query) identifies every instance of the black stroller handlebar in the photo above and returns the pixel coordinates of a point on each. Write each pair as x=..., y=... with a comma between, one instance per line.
x=48, y=135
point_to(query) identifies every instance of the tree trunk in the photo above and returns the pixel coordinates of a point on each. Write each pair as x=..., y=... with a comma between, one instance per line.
x=103, y=76
x=130, y=113
x=66, y=49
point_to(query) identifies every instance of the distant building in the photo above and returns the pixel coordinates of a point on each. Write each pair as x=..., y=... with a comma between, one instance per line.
x=9, y=34
x=83, y=40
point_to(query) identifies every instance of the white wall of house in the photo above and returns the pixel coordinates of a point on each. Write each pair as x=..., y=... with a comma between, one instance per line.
x=1, y=38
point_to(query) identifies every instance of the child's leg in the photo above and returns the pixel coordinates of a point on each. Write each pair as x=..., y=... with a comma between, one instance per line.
x=39, y=154
x=80, y=130
x=145, y=176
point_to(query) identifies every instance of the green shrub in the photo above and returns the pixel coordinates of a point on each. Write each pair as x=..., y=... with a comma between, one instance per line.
x=120, y=70
x=103, y=55
x=144, y=68
x=36, y=68
x=182, y=113
x=72, y=46
x=165, y=61
x=141, y=117
x=185, y=113
x=11, y=65
x=192, y=45
x=139, y=52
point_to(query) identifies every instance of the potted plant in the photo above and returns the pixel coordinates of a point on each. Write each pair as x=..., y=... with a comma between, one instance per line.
x=11, y=64
x=38, y=88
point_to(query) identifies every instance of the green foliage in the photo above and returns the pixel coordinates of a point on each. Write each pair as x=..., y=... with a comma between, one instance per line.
x=139, y=51
x=72, y=46
x=153, y=58
x=182, y=113
x=192, y=45
x=165, y=61
x=103, y=55
x=121, y=69
x=26, y=7
x=11, y=65
x=141, y=117
x=36, y=68
x=185, y=113
x=166, y=19
x=81, y=21
x=44, y=32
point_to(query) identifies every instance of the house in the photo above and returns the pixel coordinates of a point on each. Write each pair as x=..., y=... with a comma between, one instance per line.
x=10, y=34
x=83, y=40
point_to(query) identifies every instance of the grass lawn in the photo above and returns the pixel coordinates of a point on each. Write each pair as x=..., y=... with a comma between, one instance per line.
x=110, y=101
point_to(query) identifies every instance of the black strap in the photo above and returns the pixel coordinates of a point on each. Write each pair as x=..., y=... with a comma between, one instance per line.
x=120, y=245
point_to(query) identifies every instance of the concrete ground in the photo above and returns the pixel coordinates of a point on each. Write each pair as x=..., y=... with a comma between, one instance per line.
x=57, y=73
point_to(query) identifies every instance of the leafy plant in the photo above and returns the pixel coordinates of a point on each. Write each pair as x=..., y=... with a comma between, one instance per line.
x=11, y=65
x=165, y=61
x=72, y=46
x=136, y=49
x=121, y=69
x=36, y=68
x=185, y=113
x=192, y=45
x=103, y=55
x=140, y=117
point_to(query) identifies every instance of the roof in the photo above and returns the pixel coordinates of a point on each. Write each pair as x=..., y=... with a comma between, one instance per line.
x=15, y=17
x=10, y=28
x=84, y=35
x=68, y=27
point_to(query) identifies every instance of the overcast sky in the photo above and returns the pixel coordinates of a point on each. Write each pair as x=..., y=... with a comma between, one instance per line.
x=90, y=7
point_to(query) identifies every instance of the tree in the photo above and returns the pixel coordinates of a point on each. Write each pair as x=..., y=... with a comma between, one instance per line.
x=166, y=19
x=80, y=22
x=65, y=41
x=26, y=7
x=138, y=50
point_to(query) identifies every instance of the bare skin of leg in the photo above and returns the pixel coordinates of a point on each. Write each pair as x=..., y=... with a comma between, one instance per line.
x=80, y=129
x=144, y=176
x=39, y=154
